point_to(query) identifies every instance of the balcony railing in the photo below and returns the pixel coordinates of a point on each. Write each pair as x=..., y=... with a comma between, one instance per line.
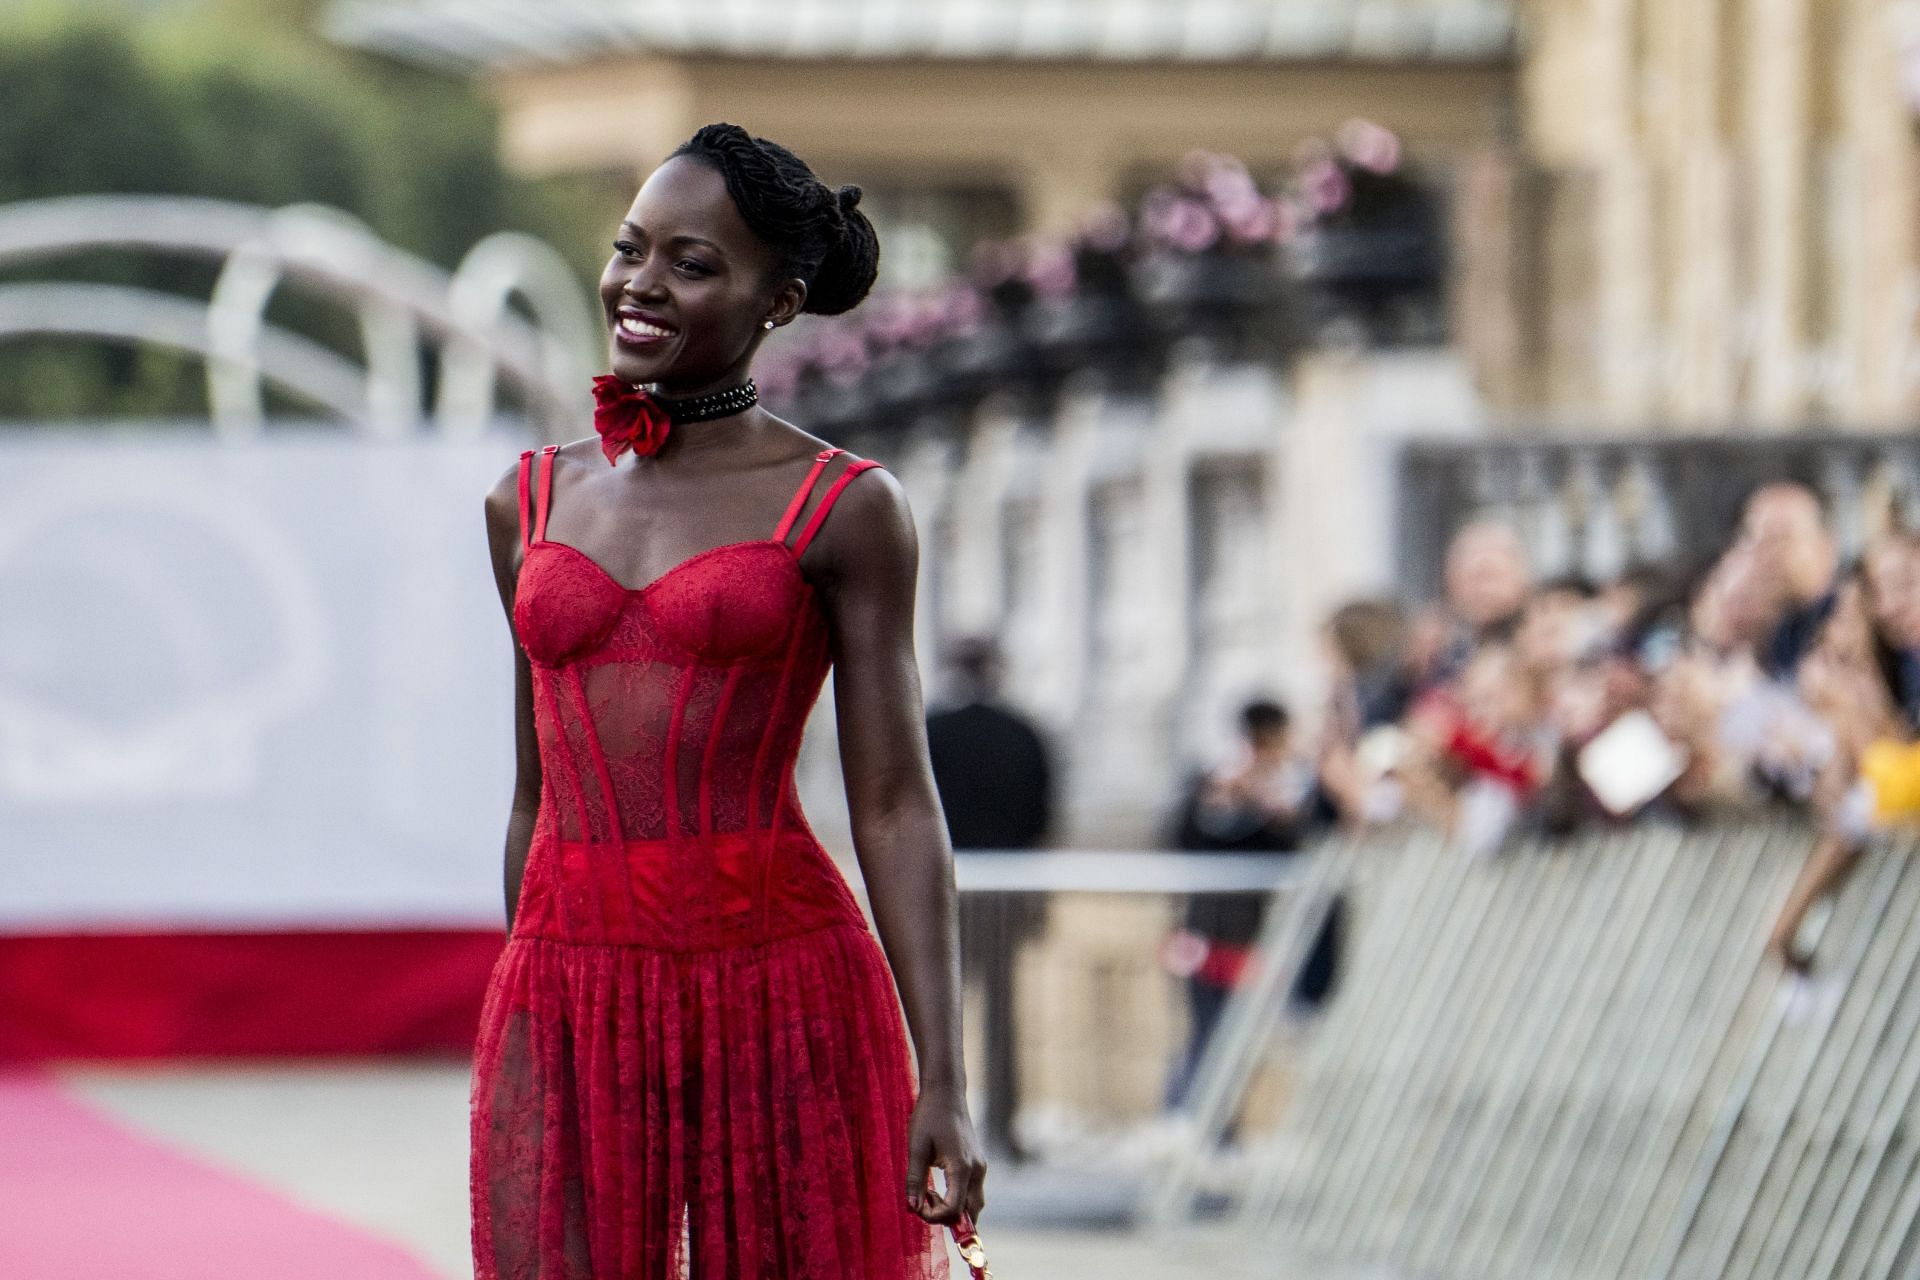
x=1600, y=507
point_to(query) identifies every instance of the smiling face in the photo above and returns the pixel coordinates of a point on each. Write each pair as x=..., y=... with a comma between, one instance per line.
x=690, y=286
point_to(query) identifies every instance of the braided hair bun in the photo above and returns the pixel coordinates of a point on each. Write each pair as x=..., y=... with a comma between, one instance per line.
x=820, y=233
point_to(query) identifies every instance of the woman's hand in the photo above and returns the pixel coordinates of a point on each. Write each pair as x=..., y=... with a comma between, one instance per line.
x=940, y=1136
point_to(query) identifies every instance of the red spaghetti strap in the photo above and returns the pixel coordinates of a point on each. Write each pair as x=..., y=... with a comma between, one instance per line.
x=826, y=503
x=545, y=497
x=800, y=495
x=526, y=521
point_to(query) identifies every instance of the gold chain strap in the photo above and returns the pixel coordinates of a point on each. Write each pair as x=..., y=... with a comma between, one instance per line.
x=967, y=1237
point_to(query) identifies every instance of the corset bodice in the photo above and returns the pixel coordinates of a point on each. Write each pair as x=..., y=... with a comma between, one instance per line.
x=669, y=720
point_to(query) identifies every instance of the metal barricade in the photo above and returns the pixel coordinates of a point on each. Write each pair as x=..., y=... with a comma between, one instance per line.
x=1574, y=1060
x=1132, y=879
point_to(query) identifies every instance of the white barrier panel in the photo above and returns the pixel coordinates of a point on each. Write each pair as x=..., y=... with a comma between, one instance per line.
x=1575, y=1062
x=257, y=686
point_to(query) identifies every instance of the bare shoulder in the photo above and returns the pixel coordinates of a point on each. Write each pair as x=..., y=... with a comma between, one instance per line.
x=503, y=497
x=503, y=506
x=875, y=498
x=871, y=525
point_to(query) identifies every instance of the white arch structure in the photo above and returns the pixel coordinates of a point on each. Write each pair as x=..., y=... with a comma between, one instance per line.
x=482, y=342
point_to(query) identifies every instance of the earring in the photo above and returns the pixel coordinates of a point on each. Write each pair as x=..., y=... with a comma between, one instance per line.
x=767, y=325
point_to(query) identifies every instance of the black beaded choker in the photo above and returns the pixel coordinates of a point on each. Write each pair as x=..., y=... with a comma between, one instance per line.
x=715, y=404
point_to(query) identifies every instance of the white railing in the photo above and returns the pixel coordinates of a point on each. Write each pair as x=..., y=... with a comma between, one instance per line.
x=398, y=299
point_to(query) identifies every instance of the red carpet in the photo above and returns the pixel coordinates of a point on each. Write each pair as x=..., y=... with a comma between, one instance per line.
x=83, y=1198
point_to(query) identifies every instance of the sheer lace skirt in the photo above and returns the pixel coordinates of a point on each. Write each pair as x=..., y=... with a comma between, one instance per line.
x=736, y=1114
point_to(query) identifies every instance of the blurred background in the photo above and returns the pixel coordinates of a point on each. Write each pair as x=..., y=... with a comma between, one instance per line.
x=1420, y=603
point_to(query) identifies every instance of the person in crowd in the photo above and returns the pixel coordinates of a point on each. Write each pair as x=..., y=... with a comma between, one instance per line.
x=1370, y=681
x=1858, y=678
x=1365, y=643
x=1560, y=625
x=1786, y=530
x=1642, y=612
x=994, y=773
x=1261, y=800
x=1749, y=737
x=1487, y=582
x=1570, y=645
x=1560, y=643
x=1482, y=750
x=1891, y=581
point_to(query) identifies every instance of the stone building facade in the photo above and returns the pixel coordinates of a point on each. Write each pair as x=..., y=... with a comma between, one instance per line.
x=1718, y=207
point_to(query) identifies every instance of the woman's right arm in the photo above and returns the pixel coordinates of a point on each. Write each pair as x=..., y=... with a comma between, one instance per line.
x=503, y=539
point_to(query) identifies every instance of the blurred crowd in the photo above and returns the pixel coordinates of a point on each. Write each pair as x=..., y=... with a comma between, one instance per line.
x=1777, y=678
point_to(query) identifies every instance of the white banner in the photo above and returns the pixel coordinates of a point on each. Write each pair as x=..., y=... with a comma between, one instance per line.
x=265, y=685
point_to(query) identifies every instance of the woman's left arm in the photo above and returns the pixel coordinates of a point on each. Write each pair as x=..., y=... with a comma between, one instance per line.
x=869, y=559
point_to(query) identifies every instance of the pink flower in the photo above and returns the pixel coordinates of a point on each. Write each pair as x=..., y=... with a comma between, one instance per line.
x=1370, y=146
x=1050, y=271
x=1326, y=186
x=1191, y=227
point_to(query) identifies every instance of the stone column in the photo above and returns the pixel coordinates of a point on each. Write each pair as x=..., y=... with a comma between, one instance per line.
x=1032, y=638
x=1879, y=234
x=926, y=470
x=1496, y=280
x=1230, y=419
x=1630, y=352
x=1166, y=486
x=1701, y=290
x=1778, y=135
x=1059, y=687
x=975, y=594
x=1690, y=72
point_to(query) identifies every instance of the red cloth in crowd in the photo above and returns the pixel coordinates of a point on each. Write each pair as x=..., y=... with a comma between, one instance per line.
x=1187, y=954
x=1472, y=747
x=1491, y=758
x=1225, y=965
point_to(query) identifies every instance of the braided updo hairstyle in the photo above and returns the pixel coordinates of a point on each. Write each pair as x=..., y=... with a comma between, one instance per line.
x=821, y=235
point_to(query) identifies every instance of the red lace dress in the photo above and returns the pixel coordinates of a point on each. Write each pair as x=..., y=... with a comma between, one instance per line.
x=691, y=1060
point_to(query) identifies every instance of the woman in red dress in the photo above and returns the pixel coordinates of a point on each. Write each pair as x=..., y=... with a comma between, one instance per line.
x=692, y=1060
